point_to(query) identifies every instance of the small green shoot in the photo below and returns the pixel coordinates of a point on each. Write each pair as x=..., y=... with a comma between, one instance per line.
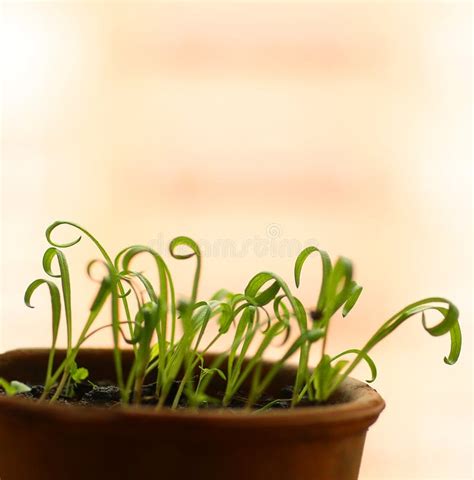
x=14, y=387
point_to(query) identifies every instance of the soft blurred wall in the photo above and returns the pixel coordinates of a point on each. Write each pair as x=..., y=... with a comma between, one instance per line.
x=258, y=128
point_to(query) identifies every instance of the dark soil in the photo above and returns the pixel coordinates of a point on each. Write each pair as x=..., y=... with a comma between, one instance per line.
x=106, y=394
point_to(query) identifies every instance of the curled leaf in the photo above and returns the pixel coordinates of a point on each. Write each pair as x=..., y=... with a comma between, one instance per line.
x=365, y=357
x=184, y=241
x=327, y=268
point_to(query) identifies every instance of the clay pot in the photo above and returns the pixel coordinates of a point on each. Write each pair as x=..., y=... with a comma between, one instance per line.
x=57, y=442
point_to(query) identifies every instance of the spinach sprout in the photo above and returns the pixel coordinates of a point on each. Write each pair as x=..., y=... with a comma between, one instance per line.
x=169, y=338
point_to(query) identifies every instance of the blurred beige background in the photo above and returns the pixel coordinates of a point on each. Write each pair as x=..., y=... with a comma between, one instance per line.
x=257, y=128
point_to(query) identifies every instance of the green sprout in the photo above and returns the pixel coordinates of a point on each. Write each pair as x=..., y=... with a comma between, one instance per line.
x=169, y=338
x=14, y=387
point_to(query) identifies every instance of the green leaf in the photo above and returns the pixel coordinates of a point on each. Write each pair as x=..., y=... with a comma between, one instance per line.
x=49, y=232
x=456, y=342
x=53, y=226
x=14, y=387
x=281, y=311
x=201, y=316
x=55, y=311
x=326, y=377
x=327, y=268
x=19, y=387
x=365, y=356
x=7, y=387
x=451, y=315
x=101, y=295
x=184, y=241
x=339, y=285
x=449, y=323
x=256, y=283
x=243, y=336
x=267, y=295
x=166, y=298
x=48, y=257
x=195, y=251
x=147, y=285
x=226, y=318
x=354, y=295
x=79, y=374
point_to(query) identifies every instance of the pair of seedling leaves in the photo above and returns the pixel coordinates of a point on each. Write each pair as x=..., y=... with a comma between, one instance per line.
x=15, y=387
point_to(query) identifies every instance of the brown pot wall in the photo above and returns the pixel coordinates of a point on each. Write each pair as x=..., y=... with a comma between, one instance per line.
x=55, y=442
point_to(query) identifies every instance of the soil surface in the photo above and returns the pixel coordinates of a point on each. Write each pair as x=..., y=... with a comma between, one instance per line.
x=106, y=394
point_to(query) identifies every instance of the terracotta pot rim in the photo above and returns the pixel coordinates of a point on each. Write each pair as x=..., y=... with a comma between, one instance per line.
x=365, y=403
